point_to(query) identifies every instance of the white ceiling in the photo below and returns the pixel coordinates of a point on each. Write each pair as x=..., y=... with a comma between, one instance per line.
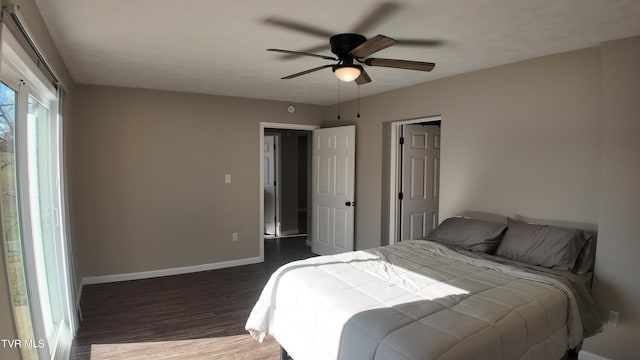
x=218, y=46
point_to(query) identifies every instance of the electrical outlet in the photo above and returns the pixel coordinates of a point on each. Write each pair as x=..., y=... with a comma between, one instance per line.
x=613, y=318
x=227, y=178
x=234, y=236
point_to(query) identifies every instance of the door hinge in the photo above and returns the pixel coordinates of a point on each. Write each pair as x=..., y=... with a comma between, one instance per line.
x=400, y=196
x=402, y=141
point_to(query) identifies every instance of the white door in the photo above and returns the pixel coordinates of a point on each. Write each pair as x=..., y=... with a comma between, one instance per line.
x=420, y=180
x=269, y=185
x=333, y=185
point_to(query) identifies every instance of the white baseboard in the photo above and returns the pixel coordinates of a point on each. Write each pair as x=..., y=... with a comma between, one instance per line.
x=289, y=232
x=585, y=355
x=158, y=273
x=166, y=272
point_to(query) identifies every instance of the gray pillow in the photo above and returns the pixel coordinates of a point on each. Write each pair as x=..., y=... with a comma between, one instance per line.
x=587, y=256
x=543, y=245
x=468, y=234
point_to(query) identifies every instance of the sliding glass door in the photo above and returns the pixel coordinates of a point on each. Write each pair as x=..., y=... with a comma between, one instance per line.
x=9, y=212
x=44, y=209
x=32, y=209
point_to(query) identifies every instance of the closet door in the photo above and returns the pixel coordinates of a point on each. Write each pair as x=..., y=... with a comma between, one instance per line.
x=420, y=180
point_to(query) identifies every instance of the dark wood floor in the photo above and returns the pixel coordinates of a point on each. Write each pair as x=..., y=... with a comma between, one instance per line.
x=203, y=305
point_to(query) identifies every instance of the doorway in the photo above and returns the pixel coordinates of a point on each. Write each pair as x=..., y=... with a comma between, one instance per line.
x=414, y=178
x=285, y=169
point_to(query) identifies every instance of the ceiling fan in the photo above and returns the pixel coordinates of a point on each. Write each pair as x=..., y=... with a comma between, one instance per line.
x=352, y=49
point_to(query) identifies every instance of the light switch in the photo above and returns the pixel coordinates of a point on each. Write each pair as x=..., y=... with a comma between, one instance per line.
x=227, y=179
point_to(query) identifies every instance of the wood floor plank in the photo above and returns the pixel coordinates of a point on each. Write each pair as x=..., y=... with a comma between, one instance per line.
x=199, y=315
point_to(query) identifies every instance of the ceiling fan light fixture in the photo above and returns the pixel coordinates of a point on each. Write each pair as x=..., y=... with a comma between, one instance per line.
x=347, y=73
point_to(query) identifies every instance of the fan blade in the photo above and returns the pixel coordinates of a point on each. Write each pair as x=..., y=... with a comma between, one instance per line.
x=289, y=56
x=375, y=17
x=372, y=45
x=303, y=53
x=401, y=64
x=419, y=42
x=307, y=71
x=292, y=25
x=363, y=78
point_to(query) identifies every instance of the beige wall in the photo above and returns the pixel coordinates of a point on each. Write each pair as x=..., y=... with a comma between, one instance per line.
x=617, y=267
x=521, y=139
x=147, y=171
x=550, y=138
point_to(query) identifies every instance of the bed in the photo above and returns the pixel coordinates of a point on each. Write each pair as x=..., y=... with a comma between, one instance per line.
x=464, y=293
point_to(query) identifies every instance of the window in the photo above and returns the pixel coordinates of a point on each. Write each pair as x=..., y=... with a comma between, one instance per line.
x=9, y=219
x=32, y=204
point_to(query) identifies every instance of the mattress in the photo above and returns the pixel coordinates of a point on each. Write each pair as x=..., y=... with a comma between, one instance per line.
x=415, y=300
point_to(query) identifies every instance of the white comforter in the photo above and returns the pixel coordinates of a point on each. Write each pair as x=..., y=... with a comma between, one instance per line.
x=414, y=300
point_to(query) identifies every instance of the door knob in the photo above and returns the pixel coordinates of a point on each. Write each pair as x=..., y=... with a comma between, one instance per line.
x=349, y=203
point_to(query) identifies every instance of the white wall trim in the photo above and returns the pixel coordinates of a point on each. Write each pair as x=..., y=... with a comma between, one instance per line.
x=289, y=232
x=585, y=355
x=277, y=175
x=167, y=272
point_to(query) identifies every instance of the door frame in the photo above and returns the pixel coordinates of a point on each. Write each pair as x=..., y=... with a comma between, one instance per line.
x=277, y=171
x=282, y=126
x=394, y=185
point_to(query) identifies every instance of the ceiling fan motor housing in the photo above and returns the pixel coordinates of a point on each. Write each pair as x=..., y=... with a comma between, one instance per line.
x=342, y=44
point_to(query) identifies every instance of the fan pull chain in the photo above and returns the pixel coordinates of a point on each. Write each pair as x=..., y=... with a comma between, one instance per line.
x=338, y=99
x=358, y=102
